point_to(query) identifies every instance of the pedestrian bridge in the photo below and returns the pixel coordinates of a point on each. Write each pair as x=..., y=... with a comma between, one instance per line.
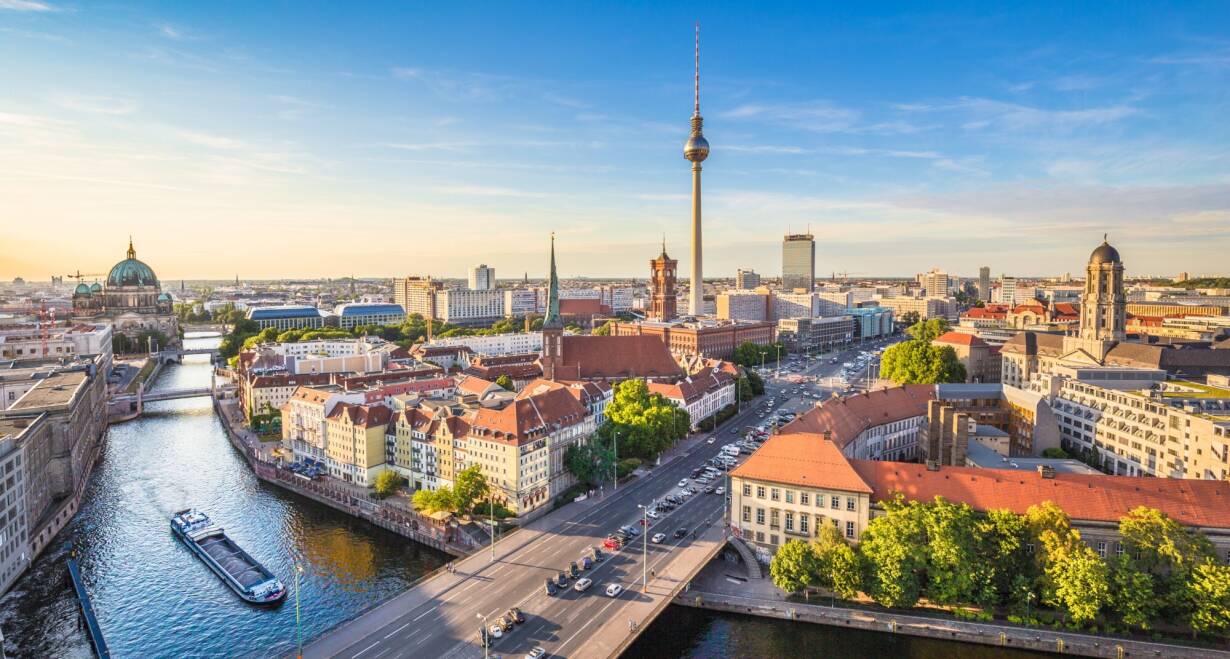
x=168, y=394
x=176, y=355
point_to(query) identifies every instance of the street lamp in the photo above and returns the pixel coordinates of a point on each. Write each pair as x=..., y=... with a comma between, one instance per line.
x=298, y=621
x=482, y=634
x=644, y=546
x=615, y=449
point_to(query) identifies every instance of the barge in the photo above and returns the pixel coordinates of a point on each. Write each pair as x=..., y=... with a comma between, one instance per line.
x=237, y=569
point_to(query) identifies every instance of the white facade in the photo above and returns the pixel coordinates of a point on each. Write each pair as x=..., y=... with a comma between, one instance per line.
x=499, y=344
x=482, y=278
x=461, y=307
x=520, y=302
x=896, y=441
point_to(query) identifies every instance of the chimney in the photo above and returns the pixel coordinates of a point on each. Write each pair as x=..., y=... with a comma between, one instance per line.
x=933, y=465
x=1046, y=471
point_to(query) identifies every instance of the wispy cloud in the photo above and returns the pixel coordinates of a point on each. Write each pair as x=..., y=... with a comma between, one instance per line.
x=491, y=191
x=211, y=141
x=458, y=86
x=26, y=120
x=816, y=116
x=428, y=146
x=94, y=104
x=767, y=148
x=170, y=31
x=1212, y=58
x=565, y=101
x=26, y=5
x=985, y=112
x=672, y=196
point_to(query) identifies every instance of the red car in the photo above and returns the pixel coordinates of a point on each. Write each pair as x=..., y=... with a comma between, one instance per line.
x=611, y=543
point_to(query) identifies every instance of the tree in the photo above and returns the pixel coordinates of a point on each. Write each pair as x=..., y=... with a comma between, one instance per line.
x=1000, y=539
x=1208, y=596
x=1055, y=453
x=644, y=423
x=744, y=389
x=469, y=487
x=755, y=381
x=603, y=330
x=1166, y=550
x=836, y=562
x=928, y=330
x=591, y=462
x=1132, y=596
x=894, y=549
x=747, y=354
x=1052, y=534
x=441, y=500
x=1081, y=580
x=387, y=482
x=505, y=382
x=952, y=565
x=919, y=362
x=908, y=319
x=793, y=567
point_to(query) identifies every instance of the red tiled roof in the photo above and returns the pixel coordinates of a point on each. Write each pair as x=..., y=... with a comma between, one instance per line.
x=367, y=416
x=1098, y=498
x=801, y=458
x=474, y=385
x=529, y=418
x=616, y=357
x=520, y=371
x=960, y=339
x=991, y=311
x=849, y=416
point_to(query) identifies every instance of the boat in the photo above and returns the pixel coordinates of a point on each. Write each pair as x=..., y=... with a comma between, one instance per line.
x=244, y=574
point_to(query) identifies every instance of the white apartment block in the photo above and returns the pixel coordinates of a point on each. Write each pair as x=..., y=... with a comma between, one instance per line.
x=22, y=342
x=465, y=307
x=742, y=305
x=520, y=302
x=482, y=278
x=303, y=420
x=517, y=343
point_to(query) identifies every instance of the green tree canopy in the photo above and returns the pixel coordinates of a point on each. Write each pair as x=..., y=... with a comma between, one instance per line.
x=505, y=382
x=837, y=565
x=644, y=423
x=591, y=462
x=1132, y=596
x=928, y=330
x=895, y=555
x=1208, y=596
x=469, y=486
x=1081, y=580
x=387, y=483
x=793, y=567
x=919, y=362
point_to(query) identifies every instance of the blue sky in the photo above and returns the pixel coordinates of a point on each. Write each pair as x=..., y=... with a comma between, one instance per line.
x=298, y=139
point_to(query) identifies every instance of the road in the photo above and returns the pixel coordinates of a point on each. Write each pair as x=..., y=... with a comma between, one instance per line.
x=442, y=616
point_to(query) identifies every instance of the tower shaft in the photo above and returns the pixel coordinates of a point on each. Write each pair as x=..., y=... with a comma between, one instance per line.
x=696, y=292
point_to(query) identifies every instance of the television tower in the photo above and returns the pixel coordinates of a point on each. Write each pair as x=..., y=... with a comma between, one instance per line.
x=696, y=149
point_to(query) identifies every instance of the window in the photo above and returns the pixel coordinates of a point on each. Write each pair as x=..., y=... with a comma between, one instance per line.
x=759, y=491
x=789, y=521
x=773, y=540
x=747, y=490
x=775, y=494
x=1119, y=549
x=1102, y=548
x=747, y=513
x=849, y=529
x=803, y=524
x=774, y=519
x=760, y=515
x=789, y=496
x=849, y=503
x=805, y=498
x=835, y=502
x=760, y=536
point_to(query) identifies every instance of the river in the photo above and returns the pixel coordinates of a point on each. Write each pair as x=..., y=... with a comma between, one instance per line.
x=155, y=599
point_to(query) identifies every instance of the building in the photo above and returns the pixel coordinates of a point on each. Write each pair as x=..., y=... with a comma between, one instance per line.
x=925, y=307
x=799, y=262
x=361, y=355
x=1007, y=290
x=355, y=441
x=287, y=317
x=1103, y=306
x=50, y=438
x=696, y=149
x=980, y=359
x=131, y=299
x=707, y=338
x=701, y=395
x=797, y=481
x=871, y=322
x=877, y=425
x=662, y=284
x=936, y=283
x=356, y=314
x=482, y=278
x=512, y=343
x=20, y=342
x=746, y=280
x=1165, y=309
x=303, y=420
x=984, y=283
x=469, y=307
x=743, y=305
x=821, y=334
x=1011, y=421
x=417, y=295
x=520, y=302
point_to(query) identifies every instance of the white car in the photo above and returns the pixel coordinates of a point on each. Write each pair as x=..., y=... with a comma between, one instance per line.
x=707, y=441
x=720, y=490
x=495, y=632
x=615, y=589
x=583, y=584
x=651, y=514
x=657, y=537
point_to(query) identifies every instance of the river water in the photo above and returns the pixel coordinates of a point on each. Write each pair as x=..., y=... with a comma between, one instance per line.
x=155, y=599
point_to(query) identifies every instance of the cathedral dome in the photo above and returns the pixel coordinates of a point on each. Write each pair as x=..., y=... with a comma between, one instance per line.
x=82, y=289
x=96, y=287
x=131, y=272
x=164, y=297
x=1104, y=254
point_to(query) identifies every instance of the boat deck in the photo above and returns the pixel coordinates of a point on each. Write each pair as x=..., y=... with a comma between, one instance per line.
x=229, y=556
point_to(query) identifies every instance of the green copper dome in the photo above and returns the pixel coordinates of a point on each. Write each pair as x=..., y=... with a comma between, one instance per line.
x=96, y=287
x=131, y=272
x=82, y=289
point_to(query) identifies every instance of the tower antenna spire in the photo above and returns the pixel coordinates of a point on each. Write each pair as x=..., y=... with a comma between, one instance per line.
x=696, y=109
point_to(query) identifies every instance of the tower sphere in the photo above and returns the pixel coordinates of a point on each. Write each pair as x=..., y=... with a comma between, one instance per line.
x=696, y=148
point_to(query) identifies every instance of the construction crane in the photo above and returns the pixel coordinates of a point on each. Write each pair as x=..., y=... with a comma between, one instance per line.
x=80, y=276
x=845, y=275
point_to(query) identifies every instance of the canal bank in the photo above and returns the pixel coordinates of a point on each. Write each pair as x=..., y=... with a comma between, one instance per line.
x=151, y=596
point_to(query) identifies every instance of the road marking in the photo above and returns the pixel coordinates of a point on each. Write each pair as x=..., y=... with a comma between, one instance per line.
x=397, y=630
x=366, y=649
x=425, y=613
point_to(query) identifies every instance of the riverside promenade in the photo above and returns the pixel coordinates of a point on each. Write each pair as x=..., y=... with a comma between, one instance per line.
x=394, y=514
x=720, y=587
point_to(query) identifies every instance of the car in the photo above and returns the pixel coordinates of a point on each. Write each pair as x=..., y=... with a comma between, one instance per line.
x=709, y=489
x=561, y=580
x=573, y=570
x=536, y=653
x=657, y=538
x=515, y=615
x=707, y=441
x=505, y=623
x=587, y=563
x=495, y=631
x=680, y=532
x=582, y=584
x=484, y=639
x=630, y=530
x=720, y=490
x=613, y=590
x=611, y=543
x=695, y=473
x=652, y=514
x=683, y=482
x=550, y=587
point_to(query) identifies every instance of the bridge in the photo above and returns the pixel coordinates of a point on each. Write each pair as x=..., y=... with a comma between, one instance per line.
x=176, y=355
x=442, y=615
x=168, y=394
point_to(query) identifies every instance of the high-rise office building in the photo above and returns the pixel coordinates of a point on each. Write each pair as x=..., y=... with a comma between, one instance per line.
x=746, y=279
x=984, y=283
x=799, y=262
x=482, y=278
x=1007, y=289
x=936, y=283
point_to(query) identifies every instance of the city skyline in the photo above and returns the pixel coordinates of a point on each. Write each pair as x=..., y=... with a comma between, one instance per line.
x=906, y=142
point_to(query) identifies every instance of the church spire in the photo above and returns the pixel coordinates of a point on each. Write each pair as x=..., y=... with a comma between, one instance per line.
x=132, y=253
x=552, y=319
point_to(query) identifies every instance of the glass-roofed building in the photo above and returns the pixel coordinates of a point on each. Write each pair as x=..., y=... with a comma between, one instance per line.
x=287, y=316
x=355, y=314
